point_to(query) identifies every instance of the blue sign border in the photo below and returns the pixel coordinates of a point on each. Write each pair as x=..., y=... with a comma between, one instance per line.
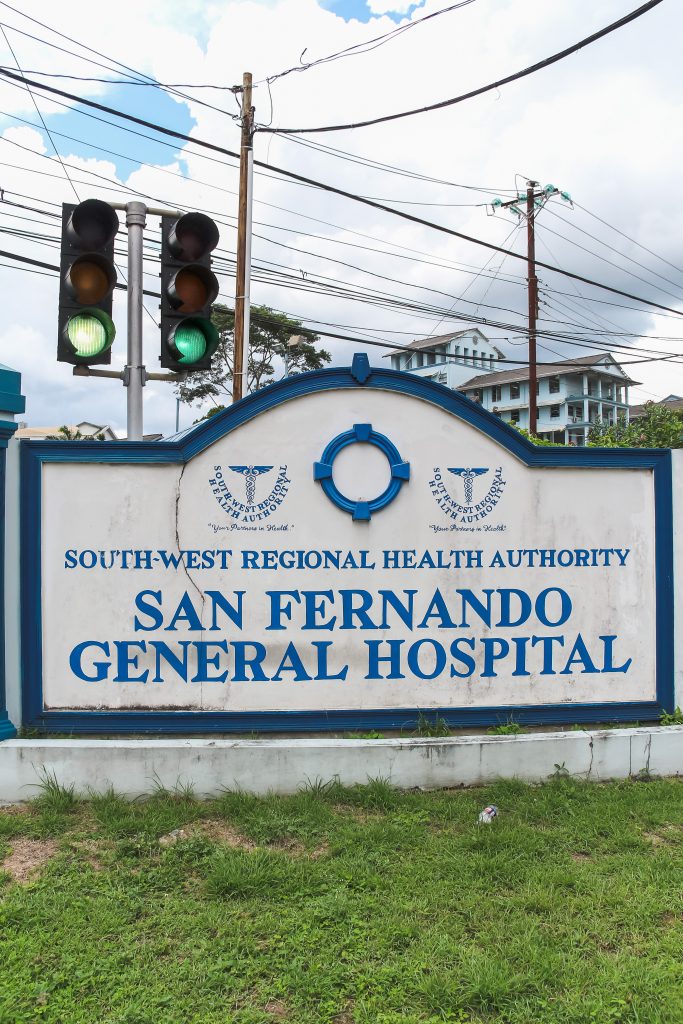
x=184, y=447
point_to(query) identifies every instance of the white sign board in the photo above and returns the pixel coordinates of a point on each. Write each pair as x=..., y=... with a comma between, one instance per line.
x=358, y=549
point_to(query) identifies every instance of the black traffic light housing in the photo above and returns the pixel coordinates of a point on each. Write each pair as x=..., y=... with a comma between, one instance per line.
x=86, y=282
x=188, y=290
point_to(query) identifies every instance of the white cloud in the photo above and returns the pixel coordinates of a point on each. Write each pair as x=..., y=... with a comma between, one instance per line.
x=604, y=124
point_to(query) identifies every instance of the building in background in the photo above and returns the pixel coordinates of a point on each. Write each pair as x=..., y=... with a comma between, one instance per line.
x=451, y=359
x=86, y=430
x=572, y=395
x=672, y=402
x=77, y=431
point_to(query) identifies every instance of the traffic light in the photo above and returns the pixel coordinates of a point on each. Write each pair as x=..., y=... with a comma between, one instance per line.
x=188, y=288
x=87, y=280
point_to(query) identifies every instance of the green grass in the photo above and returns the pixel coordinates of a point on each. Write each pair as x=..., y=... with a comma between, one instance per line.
x=356, y=906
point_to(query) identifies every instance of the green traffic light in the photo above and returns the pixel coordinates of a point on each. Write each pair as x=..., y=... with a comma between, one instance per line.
x=190, y=341
x=90, y=333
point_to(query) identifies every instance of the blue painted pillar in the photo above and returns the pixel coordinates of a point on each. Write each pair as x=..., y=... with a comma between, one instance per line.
x=11, y=403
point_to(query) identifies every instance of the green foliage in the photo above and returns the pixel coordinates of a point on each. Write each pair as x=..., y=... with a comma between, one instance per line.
x=507, y=728
x=269, y=333
x=431, y=726
x=351, y=906
x=542, y=442
x=67, y=434
x=671, y=718
x=658, y=427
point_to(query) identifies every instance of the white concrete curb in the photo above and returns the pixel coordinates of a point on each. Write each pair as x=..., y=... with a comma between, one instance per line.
x=135, y=767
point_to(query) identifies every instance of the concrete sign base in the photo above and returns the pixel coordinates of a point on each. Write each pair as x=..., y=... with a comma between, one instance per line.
x=136, y=768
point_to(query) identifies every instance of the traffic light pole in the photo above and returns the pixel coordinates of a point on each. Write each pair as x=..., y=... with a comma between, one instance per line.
x=134, y=379
x=533, y=304
x=243, y=270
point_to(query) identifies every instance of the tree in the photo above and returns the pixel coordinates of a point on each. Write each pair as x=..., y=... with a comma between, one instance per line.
x=658, y=427
x=68, y=434
x=269, y=333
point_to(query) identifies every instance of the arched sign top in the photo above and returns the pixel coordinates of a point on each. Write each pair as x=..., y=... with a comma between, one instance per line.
x=196, y=439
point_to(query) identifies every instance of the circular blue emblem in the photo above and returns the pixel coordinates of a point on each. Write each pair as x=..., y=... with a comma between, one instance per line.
x=364, y=434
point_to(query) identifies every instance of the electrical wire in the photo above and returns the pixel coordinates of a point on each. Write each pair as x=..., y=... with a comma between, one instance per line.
x=539, y=66
x=140, y=74
x=365, y=47
x=337, y=191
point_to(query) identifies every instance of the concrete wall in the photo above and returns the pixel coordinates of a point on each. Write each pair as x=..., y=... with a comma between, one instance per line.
x=135, y=767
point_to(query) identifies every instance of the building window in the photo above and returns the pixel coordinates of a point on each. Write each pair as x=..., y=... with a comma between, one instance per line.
x=514, y=391
x=465, y=353
x=538, y=387
x=554, y=384
x=496, y=393
x=476, y=395
x=554, y=412
x=514, y=416
x=431, y=358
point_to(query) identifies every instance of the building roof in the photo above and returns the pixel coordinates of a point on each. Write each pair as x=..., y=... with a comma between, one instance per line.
x=85, y=428
x=440, y=339
x=521, y=373
x=673, y=402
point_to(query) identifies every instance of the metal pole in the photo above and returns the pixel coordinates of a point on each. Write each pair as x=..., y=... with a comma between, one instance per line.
x=134, y=378
x=243, y=220
x=247, y=268
x=533, y=304
x=177, y=415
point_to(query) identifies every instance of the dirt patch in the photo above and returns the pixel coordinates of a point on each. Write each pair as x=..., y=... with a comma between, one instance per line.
x=667, y=834
x=293, y=848
x=581, y=857
x=221, y=832
x=91, y=851
x=670, y=919
x=358, y=814
x=12, y=810
x=277, y=1009
x=27, y=856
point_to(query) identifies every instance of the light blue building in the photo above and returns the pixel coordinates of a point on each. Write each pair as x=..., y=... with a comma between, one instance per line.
x=572, y=395
x=450, y=359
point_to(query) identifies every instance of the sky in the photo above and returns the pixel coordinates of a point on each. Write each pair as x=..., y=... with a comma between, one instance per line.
x=603, y=125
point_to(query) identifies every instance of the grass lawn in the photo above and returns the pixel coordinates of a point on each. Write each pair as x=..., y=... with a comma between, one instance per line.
x=336, y=905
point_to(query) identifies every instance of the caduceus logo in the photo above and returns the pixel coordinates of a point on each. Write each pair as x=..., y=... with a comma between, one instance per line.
x=468, y=474
x=250, y=473
x=251, y=509
x=468, y=509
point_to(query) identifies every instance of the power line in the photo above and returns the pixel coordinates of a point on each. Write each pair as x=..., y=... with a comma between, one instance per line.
x=365, y=47
x=141, y=74
x=341, y=192
x=540, y=65
x=628, y=237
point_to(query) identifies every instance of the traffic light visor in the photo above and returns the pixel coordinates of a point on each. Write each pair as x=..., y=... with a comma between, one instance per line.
x=90, y=333
x=90, y=278
x=92, y=225
x=192, y=288
x=193, y=339
x=193, y=237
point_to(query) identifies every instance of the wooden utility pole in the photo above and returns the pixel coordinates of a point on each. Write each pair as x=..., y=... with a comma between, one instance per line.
x=532, y=197
x=243, y=270
x=533, y=303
